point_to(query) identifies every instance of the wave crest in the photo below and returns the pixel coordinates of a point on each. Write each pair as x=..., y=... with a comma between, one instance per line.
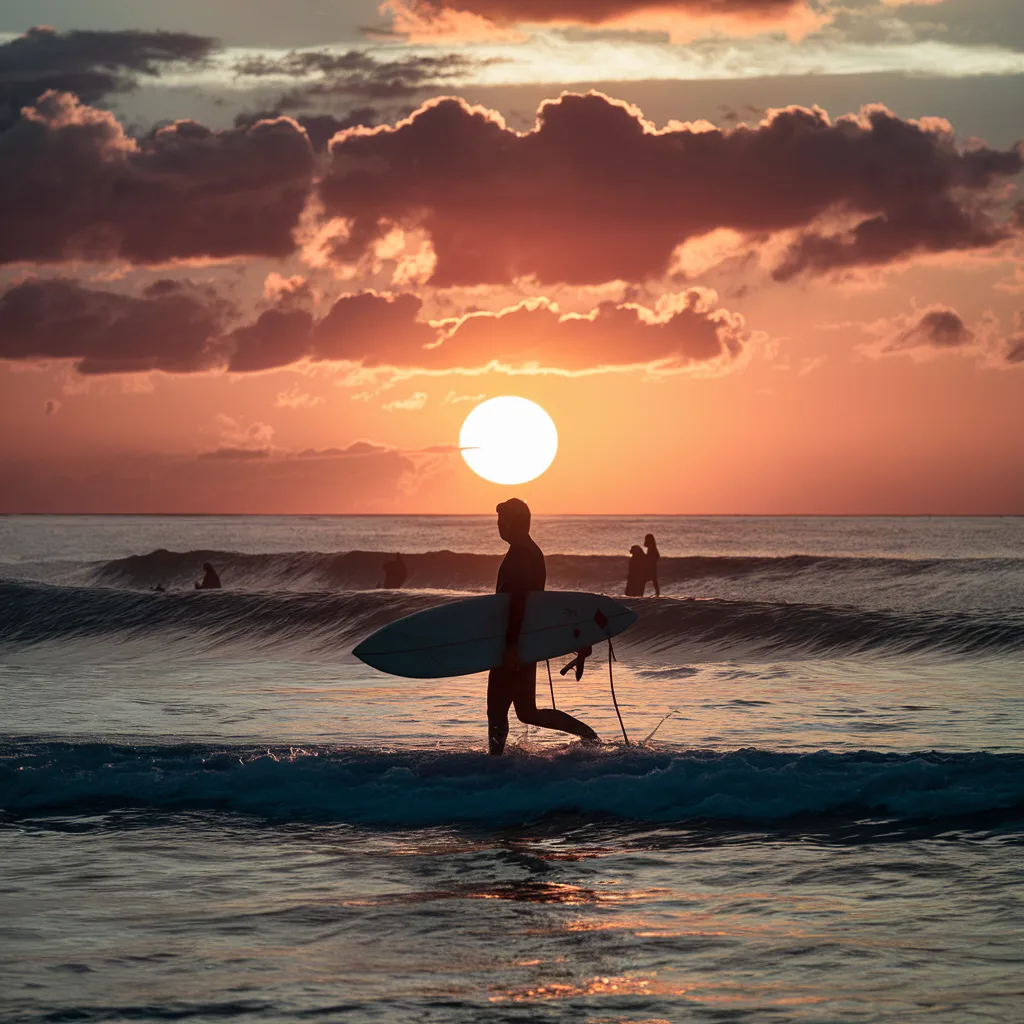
x=418, y=788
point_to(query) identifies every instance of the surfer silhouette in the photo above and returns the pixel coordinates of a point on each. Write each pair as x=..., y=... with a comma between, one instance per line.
x=210, y=580
x=514, y=683
x=653, y=556
x=395, y=574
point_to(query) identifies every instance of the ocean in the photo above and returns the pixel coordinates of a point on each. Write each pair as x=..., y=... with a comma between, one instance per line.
x=211, y=811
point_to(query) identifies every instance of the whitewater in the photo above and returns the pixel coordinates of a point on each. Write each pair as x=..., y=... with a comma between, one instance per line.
x=210, y=810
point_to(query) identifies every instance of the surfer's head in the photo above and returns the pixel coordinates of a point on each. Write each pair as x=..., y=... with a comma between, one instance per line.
x=513, y=518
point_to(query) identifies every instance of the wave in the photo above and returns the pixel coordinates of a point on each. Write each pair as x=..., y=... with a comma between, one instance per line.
x=319, y=623
x=421, y=788
x=448, y=570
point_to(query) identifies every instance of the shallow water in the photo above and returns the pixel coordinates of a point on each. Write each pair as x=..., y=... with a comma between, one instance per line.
x=209, y=810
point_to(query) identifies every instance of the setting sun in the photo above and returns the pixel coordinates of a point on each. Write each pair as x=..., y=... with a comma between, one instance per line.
x=508, y=440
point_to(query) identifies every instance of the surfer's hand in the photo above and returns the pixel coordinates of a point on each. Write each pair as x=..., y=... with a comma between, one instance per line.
x=511, y=658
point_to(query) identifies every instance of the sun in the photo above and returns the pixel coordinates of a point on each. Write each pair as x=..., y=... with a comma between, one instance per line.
x=508, y=440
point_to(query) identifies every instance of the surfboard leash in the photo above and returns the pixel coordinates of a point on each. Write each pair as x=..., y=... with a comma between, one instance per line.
x=611, y=683
x=551, y=684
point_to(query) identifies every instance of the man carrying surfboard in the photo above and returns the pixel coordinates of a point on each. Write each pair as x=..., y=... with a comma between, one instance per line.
x=515, y=683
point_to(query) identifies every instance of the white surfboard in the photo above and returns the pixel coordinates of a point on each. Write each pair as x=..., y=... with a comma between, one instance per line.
x=468, y=636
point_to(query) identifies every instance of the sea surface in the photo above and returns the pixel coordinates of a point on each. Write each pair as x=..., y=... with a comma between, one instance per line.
x=210, y=811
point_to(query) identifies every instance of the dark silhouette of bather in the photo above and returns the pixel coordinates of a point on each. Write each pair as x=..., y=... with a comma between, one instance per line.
x=514, y=683
x=636, y=574
x=653, y=557
x=210, y=580
x=395, y=574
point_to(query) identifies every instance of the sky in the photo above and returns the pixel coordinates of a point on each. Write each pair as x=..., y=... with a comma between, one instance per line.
x=754, y=257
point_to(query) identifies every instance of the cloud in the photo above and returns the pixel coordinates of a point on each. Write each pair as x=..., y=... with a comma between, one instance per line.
x=941, y=330
x=386, y=331
x=938, y=328
x=356, y=449
x=277, y=338
x=1013, y=349
x=320, y=128
x=180, y=327
x=172, y=326
x=595, y=193
x=74, y=185
x=413, y=403
x=235, y=454
x=357, y=74
x=89, y=64
x=682, y=19
x=454, y=398
x=292, y=398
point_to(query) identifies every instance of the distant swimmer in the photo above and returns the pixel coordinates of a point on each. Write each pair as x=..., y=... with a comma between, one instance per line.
x=653, y=557
x=515, y=683
x=636, y=574
x=160, y=589
x=210, y=581
x=395, y=574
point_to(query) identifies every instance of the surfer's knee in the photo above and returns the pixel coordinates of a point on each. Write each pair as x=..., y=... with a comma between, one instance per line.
x=527, y=713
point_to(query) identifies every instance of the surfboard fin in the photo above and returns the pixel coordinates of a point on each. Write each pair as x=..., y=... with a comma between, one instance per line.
x=579, y=662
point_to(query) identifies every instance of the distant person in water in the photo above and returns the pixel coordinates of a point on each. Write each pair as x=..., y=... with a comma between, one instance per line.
x=653, y=557
x=395, y=574
x=636, y=574
x=515, y=683
x=210, y=580
x=643, y=566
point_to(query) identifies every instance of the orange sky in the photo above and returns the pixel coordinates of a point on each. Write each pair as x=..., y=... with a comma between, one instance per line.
x=803, y=312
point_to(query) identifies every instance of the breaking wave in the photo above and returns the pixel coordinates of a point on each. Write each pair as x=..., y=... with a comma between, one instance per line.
x=420, y=788
x=322, y=623
x=447, y=570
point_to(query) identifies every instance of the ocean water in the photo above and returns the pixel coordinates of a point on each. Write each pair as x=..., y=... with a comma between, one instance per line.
x=210, y=811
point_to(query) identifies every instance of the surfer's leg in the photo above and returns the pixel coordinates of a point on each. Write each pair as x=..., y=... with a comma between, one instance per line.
x=499, y=700
x=525, y=700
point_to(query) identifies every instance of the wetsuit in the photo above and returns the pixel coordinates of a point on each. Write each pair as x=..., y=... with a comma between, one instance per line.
x=521, y=571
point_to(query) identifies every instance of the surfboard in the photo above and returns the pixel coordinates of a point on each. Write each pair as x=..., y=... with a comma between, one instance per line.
x=468, y=636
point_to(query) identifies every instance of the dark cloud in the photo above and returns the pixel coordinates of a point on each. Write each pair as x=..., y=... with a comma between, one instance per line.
x=172, y=326
x=356, y=449
x=354, y=76
x=91, y=65
x=595, y=194
x=180, y=327
x=937, y=328
x=276, y=338
x=357, y=73
x=229, y=454
x=72, y=184
x=378, y=330
x=320, y=128
x=1014, y=346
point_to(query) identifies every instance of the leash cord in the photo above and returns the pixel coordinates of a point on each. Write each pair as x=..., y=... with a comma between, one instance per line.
x=611, y=683
x=551, y=684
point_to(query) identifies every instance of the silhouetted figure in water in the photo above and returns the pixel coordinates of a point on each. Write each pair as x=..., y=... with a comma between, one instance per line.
x=653, y=557
x=210, y=580
x=636, y=574
x=159, y=589
x=395, y=574
x=515, y=683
